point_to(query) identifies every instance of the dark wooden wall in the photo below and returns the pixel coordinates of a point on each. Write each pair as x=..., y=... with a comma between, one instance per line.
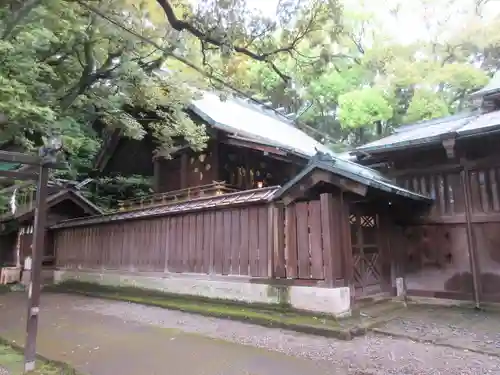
x=224, y=242
x=436, y=250
x=239, y=167
x=303, y=243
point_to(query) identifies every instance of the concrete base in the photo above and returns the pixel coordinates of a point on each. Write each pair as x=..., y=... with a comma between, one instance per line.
x=333, y=301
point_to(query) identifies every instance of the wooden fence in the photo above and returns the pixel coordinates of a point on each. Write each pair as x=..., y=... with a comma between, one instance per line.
x=297, y=242
x=440, y=248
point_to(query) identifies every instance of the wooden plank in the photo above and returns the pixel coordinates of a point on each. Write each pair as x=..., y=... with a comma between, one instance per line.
x=211, y=243
x=226, y=248
x=303, y=241
x=184, y=250
x=433, y=192
x=219, y=242
x=315, y=232
x=475, y=191
x=244, y=242
x=483, y=189
x=440, y=199
x=263, y=241
x=192, y=243
x=143, y=248
x=175, y=243
x=345, y=240
x=494, y=189
x=254, y=242
x=277, y=229
x=199, y=243
x=235, y=242
x=291, y=242
x=165, y=242
x=207, y=245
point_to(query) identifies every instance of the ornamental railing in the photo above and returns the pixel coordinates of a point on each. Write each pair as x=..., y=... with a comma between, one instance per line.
x=215, y=188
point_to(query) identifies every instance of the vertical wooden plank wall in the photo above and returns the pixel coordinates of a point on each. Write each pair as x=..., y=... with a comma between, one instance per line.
x=314, y=241
x=225, y=242
x=301, y=241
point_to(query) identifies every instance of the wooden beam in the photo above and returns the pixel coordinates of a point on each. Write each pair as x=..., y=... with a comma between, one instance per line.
x=17, y=175
x=18, y=157
x=343, y=183
x=254, y=146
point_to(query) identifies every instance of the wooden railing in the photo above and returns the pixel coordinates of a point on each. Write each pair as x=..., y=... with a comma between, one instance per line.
x=215, y=188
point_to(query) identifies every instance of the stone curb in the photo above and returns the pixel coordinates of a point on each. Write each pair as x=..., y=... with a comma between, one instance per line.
x=341, y=334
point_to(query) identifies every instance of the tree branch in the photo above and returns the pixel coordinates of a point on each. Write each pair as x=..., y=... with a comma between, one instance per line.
x=19, y=16
x=208, y=38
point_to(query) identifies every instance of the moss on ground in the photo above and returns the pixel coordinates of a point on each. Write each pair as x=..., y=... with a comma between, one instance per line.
x=267, y=315
x=4, y=288
x=11, y=358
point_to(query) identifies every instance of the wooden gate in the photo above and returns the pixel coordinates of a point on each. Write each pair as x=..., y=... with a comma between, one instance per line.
x=367, y=272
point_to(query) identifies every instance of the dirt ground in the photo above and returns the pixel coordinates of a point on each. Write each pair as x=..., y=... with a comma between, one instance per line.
x=100, y=337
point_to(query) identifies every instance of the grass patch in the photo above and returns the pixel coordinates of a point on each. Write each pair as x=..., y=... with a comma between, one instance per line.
x=4, y=288
x=267, y=315
x=12, y=359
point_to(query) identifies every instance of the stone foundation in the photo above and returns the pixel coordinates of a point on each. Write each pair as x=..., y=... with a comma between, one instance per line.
x=333, y=301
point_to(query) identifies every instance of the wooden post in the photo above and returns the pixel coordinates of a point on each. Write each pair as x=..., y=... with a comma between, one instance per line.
x=471, y=245
x=331, y=243
x=276, y=241
x=346, y=244
x=35, y=284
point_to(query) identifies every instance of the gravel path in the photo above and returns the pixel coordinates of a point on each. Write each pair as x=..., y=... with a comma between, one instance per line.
x=3, y=371
x=372, y=354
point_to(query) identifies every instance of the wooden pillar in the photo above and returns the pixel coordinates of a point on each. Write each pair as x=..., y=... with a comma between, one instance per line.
x=337, y=250
x=276, y=241
x=348, y=265
x=246, y=160
x=471, y=244
x=332, y=244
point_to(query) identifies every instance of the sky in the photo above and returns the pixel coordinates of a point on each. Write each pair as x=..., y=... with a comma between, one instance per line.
x=409, y=25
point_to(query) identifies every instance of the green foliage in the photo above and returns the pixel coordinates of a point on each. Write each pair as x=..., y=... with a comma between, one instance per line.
x=361, y=107
x=353, y=78
x=109, y=191
x=426, y=105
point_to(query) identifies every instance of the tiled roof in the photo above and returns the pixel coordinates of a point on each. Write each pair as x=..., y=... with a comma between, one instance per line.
x=436, y=130
x=28, y=210
x=354, y=172
x=218, y=201
x=248, y=119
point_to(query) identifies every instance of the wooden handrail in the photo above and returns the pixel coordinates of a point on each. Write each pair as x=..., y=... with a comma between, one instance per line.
x=215, y=188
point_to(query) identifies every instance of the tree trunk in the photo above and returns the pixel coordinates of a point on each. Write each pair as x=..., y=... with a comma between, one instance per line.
x=379, y=128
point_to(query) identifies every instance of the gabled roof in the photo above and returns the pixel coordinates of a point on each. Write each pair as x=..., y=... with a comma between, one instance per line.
x=467, y=124
x=240, y=118
x=218, y=201
x=246, y=118
x=435, y=131
x=352, y=172
x=53, y=200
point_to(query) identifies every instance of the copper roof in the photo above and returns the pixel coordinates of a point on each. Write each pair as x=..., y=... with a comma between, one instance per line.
x=218, y=201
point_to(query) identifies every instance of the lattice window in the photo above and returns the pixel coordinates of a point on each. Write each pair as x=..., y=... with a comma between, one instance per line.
x=368, y=221
x=352, y=219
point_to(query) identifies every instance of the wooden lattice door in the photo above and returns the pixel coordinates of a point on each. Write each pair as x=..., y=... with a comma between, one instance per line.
x=367, y=271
